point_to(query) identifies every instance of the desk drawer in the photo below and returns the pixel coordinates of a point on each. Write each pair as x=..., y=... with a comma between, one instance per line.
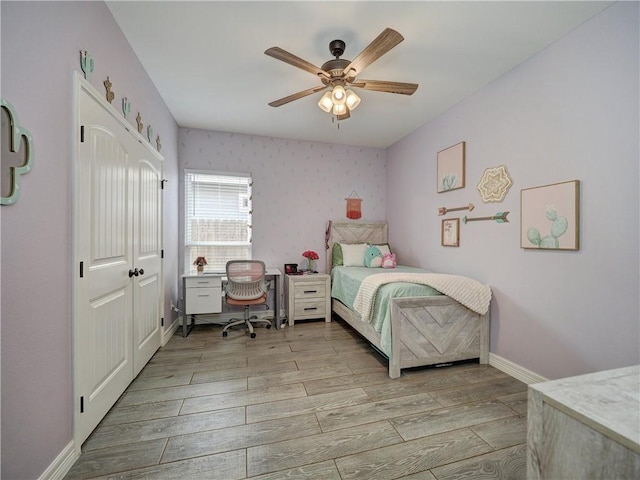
x=203, y=281
x=203, y=300
x=312, y=308
x=310, y=290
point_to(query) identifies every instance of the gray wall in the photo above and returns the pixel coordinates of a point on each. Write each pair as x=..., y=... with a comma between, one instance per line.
x=569, y=112
x=40, y=52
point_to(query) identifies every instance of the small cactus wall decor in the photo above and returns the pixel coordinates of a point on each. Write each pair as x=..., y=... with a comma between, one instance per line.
x=550, y=217
x=110, y=94
x=126, y=106
x=158, y=144
x=139, y=122
x=86, y=63
x=451, y=167
x=149, y=133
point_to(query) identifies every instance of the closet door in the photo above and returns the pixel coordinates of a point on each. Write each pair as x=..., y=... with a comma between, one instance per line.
x=147, y=234
x=117, y=247
x=104, y=291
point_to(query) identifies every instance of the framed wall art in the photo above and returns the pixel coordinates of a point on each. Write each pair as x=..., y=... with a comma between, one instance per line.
x=451, y=232
x=550, y=216
x=451, y=168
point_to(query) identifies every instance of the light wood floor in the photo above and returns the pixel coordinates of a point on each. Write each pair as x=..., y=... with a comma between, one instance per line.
x=308, y=401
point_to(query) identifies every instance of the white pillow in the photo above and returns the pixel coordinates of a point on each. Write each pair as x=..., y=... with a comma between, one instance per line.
x=353, y=254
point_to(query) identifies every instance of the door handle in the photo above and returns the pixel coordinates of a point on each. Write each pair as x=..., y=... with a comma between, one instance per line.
x=141, y=271
x=133, y=272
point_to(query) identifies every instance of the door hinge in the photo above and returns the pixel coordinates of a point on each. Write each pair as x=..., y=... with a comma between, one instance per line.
x=162, y=183
x=81, y=269
x=162, y=322
x=81, y=133
x=162, y=253
x=81, y=404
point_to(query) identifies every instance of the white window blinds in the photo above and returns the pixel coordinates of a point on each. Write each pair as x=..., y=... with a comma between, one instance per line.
x=217, y=218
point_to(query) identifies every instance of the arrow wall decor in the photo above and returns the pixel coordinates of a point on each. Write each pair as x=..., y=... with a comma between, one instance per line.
x=445, y=210
x=500, y=217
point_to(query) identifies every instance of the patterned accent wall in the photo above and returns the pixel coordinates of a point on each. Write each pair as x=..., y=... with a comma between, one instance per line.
x=297, y=186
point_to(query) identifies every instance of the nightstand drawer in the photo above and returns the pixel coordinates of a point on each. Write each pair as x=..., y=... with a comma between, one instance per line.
x=310, y=290
x=310, y=308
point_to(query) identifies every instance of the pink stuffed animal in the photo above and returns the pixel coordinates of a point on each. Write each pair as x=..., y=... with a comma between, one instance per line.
x=389, y=260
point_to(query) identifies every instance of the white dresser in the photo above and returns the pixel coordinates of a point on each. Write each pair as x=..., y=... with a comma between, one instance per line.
x=308, y=296
x=585, y=427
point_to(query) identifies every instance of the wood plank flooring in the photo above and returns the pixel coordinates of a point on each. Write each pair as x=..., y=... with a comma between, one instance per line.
x=309, y=401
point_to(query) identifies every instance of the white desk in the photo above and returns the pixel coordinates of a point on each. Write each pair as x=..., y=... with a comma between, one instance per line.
x=207, y=298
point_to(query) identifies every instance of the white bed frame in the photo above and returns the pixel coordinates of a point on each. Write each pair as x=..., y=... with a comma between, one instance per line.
x=424, y=330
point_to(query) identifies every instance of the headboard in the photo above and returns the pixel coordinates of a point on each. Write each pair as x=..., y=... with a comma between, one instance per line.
x=354, y=232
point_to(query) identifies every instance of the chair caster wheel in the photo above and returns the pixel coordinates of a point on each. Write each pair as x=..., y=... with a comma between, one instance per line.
x=253, y=335
x=268, y=326
x=224, y=334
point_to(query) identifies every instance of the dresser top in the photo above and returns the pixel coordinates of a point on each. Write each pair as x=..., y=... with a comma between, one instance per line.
x=608, y=402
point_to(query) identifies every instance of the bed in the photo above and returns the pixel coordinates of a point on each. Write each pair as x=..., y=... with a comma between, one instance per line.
x=412, y=324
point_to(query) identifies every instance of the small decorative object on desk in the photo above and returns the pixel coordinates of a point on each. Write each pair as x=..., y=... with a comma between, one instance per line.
x=310, y=255
x=200, y=262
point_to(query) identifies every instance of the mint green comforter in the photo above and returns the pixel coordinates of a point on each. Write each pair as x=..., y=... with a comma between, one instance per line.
x=345, y=282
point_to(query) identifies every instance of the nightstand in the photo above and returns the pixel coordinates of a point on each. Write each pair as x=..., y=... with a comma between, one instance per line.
x=308, y=296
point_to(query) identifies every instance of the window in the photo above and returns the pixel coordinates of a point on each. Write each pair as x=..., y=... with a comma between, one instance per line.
x=217, y=218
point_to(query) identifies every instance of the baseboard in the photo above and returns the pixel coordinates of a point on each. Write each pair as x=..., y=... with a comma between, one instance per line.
x=168, y=333
x=62, y=464
x=515, y=370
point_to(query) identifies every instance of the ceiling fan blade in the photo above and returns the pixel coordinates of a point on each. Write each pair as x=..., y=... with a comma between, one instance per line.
x=384, y=42
x=388, y=87
x=296, y=96
x=291, y=59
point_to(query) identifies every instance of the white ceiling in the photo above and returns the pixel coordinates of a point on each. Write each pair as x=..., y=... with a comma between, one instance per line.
x=207, y=58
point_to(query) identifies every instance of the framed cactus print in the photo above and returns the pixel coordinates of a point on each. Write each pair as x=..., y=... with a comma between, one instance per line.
x=550, y=216
x=451, y=168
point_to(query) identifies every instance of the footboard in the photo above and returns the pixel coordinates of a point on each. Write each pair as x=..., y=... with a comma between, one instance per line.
x=434, y=330
x=426, y=331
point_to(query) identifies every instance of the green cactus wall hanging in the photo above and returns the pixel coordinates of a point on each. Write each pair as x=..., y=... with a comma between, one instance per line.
x=16, y=154
x=86, y=63
x=126, y=106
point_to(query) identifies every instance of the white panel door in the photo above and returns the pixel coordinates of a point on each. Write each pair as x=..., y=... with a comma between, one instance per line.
x=104, y=292
x=117, y=246
x=147, y=233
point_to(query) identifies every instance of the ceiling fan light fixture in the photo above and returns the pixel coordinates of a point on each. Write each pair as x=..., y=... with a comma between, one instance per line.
x=325, y=102
x=352, y=100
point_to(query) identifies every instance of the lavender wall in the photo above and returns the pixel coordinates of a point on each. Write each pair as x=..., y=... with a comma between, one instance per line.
x=40, y=51
x=570, y=112
x=298, y=186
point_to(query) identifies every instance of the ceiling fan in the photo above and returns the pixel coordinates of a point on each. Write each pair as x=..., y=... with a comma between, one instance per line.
x=339, y=74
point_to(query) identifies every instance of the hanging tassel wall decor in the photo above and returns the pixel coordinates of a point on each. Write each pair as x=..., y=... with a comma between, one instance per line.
x=354, y=206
